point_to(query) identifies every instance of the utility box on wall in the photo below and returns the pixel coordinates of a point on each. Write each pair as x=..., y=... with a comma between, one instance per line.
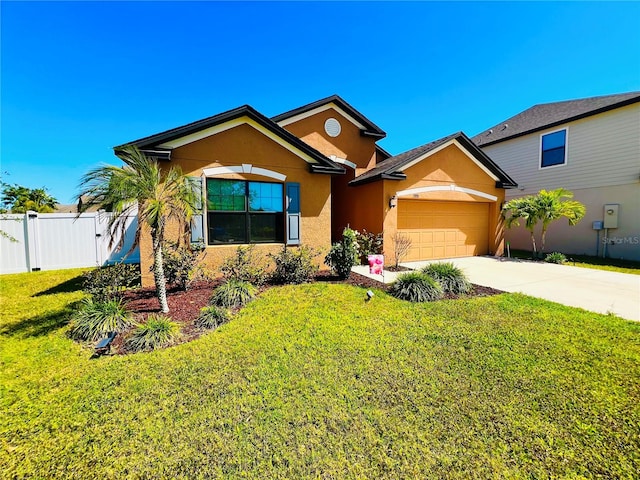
x=611, y=215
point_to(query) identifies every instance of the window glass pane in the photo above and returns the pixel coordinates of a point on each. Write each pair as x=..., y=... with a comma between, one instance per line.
x=554, y=140
x=265, y=197
x=225, y=195
x=553, y=157
x=227, y=228
x=266, y=227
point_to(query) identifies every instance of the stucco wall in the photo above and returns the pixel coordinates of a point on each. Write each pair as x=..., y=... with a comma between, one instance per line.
x=245, y=145
x=448, y=166
x=349, y=145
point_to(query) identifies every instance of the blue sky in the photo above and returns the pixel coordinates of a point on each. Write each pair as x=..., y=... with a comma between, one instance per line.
x=79, y=78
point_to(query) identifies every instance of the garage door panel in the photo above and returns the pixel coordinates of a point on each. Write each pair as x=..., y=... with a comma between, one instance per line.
x=444, y=229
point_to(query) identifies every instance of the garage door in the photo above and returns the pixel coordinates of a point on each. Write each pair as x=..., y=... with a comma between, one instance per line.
x=444, y=229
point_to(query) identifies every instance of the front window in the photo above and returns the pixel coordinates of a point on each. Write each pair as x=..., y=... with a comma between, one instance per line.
x=244, y=212
x=553, y=149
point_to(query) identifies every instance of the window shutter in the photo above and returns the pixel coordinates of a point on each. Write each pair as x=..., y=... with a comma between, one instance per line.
x=293, y=213
x=197, y=222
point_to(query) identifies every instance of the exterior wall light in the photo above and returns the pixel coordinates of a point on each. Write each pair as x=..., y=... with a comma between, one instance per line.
x=393, y=202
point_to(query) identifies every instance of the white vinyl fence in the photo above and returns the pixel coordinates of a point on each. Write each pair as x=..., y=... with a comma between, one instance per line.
x=51, y=241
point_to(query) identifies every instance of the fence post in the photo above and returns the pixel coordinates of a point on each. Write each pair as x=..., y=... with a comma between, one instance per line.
x=32, y=238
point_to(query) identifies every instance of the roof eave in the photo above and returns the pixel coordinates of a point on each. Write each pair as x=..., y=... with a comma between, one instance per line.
x=624, y=103
x=381, y=176
x=150, y=143
x=317, y=168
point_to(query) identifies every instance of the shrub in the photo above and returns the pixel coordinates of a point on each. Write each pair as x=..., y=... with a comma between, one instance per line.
x=556, y=257
x=293, y=265
x=416, y=287
x=245, y=266
x=110, y=282
x=343, y=255
x=157, y=332
x=401, y=246
x=368, y=244
x=450, y=277
x=212, y=317
x=96, y=318
x=233, y=293
x=181, y=263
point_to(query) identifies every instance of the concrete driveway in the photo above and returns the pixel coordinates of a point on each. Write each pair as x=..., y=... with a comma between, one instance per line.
x=595, y=290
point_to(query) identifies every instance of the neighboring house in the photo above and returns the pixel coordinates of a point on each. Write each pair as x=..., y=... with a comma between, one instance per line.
x=302, y=176
x=589, y=146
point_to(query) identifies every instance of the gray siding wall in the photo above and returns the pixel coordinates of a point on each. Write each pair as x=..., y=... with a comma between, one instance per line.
x=602, y=150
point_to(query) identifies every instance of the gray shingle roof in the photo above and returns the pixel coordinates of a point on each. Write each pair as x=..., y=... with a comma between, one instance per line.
x=391, y=168
x=547, y=115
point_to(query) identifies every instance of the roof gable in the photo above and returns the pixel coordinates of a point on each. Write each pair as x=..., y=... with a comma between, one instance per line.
x=393, y=167
x=366, y=126
x=161, y=144
x=548, y=115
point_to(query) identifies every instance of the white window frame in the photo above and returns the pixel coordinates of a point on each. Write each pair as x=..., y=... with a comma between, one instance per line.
x=566, y=148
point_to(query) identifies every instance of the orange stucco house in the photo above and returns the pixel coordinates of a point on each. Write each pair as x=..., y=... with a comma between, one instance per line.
x=302, y=176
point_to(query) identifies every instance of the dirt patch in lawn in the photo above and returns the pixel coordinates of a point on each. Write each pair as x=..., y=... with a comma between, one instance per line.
x=184, y=306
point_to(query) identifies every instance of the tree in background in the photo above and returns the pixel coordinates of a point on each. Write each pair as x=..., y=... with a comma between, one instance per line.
x=545, y=207
x=19, y=199
x=160, y=196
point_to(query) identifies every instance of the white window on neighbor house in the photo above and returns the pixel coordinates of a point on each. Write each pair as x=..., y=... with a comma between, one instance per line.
x=553, y=148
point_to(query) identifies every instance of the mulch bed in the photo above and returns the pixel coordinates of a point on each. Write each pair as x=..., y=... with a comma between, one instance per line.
x=184, y=306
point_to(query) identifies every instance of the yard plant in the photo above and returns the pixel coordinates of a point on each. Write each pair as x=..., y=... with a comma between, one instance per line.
x=212, y=317
x=157, y=332
x=343, y=254
x=556, y=257
x=312, y=381
x=293, y=265
x=94, y=319
x=451, y=278
x=416, y=287
x=545, y=207
x=233, y=293
x=158, y=195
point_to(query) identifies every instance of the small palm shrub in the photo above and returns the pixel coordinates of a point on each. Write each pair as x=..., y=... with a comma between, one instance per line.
x=94, y=319
x=109, y=282
x=212, y=317
x=245, y=266
x=294, y=265
x=343, y=254
x=451, y=278
x=416, y=287
x=233, y=293
x=157, y=332
x=556, y=257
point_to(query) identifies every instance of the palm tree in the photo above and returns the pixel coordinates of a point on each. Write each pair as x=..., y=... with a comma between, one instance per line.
x=159, y=195
x=546, y=206
x=552, y=207
x=525, y=208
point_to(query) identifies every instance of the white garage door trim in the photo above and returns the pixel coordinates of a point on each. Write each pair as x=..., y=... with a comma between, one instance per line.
x=445, y=188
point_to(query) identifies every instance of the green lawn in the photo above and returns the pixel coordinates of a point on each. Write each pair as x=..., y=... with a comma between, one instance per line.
x=313, y=382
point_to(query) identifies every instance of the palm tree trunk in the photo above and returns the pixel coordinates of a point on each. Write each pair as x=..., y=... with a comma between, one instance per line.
x=158, y=276
x=544, y=233
x=533, y=242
